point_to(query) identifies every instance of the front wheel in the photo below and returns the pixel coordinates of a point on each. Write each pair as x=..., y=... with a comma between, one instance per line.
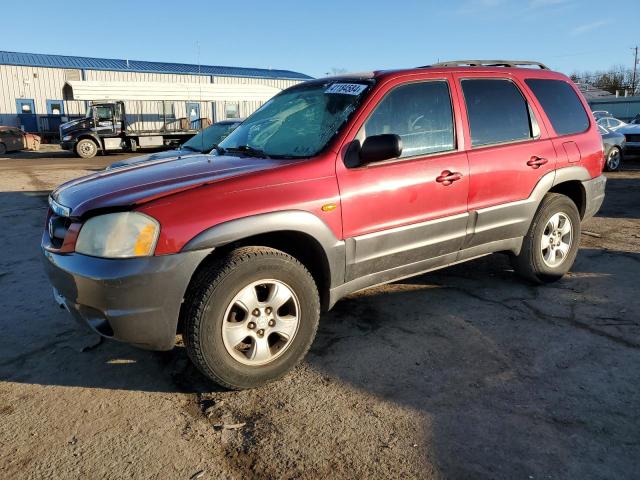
x=3, y=148
x=86, y=148
x=250, y=317
x=551, y=245
x=614, y=160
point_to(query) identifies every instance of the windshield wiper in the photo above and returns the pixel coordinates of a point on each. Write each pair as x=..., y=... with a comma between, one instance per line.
x=254, y=152
x=187, y=147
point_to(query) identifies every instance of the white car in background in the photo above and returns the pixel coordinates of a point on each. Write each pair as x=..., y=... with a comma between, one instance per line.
x=598, y=114
x=611, y=123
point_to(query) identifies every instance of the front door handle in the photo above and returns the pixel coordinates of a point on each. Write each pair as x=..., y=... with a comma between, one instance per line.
x=536, y=162
x=447, y=177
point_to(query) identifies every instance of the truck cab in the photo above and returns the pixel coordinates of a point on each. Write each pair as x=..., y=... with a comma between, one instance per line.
x=107, y=127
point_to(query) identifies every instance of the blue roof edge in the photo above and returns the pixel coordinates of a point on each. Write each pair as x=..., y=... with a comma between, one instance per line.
x=142, y=66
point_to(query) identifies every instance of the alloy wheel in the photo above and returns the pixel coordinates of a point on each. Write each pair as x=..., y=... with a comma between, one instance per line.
x=556, y=240
x=261, y=322
x=613, y=159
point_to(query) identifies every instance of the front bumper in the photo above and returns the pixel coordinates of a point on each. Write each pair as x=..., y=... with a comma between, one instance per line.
x=134, y=300
x=594, y=195
x=70, y=145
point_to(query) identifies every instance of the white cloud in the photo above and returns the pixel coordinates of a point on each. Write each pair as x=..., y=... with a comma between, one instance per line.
x=475, y=6
x=589, y=27
x=546, y=3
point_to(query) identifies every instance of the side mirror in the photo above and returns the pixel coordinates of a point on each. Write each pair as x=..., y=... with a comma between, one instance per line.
x=380, y=147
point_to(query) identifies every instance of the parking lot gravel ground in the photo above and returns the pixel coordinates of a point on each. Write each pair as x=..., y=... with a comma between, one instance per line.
x=462, y=373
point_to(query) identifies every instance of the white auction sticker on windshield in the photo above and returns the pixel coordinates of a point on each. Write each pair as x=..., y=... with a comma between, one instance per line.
x=346, y=88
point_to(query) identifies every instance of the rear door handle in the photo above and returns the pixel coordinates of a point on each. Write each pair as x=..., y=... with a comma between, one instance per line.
x=447, y=177
x=537, y=162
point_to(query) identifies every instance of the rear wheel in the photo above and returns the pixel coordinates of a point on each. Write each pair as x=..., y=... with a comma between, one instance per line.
x=3, y=149
x=613, y=162
x=250, y=317
x=551, y=245
x=86, y=148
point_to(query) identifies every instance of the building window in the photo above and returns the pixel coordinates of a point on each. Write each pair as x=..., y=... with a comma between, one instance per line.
x=231, y=110
x=55, y=107
x=167, y=110
x=25, y=105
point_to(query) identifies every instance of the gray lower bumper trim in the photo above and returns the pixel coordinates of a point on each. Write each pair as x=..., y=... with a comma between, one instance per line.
x=594, y=195
x=134, y=300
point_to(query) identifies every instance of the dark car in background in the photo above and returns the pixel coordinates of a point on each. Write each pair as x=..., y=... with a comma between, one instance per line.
x=203, y=142
x=631, y=134
x=13, y=139
x=614, y=145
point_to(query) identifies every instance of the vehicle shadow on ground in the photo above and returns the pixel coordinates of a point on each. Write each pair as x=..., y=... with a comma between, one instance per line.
x=621, y=192
x=512, y=377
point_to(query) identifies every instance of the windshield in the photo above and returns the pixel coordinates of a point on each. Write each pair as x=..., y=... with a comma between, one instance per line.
x=299, y=122
x=210, y=137
x=102, y=112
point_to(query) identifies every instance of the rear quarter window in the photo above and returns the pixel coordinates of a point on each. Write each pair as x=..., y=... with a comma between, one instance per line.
x=561, y=104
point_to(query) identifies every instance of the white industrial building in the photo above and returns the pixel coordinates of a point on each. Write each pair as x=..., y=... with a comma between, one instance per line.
x=32, y=85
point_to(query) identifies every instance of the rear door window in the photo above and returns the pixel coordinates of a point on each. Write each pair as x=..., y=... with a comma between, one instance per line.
x=561, y=104
x=420, y=113
x=497, y=111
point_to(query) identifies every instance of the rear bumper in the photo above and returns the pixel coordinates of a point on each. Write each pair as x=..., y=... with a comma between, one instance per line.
x=594, y=195
x=632, y=147
x=134, y=300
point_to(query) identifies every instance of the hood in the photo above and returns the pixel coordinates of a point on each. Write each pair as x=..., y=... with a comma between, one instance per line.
x=150, y=180
x=76, y=124
x=166, y=154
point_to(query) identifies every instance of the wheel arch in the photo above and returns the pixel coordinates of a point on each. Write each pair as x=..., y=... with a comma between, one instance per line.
x=575, y=191
x=297, y=233
x=88, y=136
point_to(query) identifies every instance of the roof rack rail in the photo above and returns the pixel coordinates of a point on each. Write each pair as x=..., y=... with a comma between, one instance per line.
x=489, y=63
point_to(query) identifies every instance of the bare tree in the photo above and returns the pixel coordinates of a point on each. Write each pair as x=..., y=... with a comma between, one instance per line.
x=616, y=78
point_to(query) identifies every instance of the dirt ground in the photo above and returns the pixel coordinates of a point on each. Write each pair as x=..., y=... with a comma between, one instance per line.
x=463, y=373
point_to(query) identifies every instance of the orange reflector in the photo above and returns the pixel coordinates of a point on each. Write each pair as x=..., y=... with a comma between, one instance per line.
x=145, y=240
x=329, y=207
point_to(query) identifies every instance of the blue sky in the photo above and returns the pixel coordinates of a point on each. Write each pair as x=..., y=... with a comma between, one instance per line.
x=316, y=37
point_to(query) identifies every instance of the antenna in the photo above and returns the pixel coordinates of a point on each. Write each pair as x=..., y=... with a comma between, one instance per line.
x=200, y=99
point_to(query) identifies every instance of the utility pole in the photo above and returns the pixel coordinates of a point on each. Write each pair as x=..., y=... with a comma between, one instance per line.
x=635, y=67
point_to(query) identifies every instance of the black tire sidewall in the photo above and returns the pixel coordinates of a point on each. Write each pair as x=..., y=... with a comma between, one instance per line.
x=3, y=149
x=556, y=204
x=212, y=348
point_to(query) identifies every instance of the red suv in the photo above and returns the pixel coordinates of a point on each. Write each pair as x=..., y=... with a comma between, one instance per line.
x=332, y=186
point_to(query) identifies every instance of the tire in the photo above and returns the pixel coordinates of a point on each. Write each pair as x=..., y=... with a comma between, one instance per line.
x=215, y=319
x=613, y=162
x=3, y=149
x=541, y=265
x=86, y=148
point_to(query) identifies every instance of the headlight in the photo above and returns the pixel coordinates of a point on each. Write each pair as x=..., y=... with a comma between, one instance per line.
x=66, y=138
x=119, y=235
